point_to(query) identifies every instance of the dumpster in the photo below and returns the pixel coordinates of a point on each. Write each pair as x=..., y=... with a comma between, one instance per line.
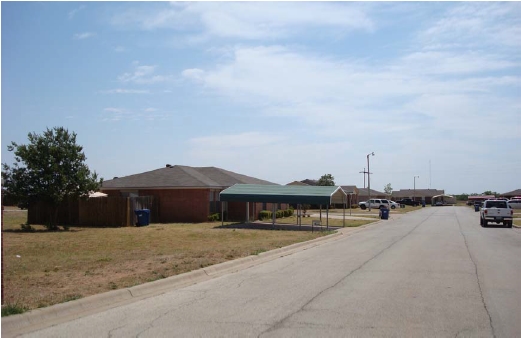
x=143, y=217
x=384, y=213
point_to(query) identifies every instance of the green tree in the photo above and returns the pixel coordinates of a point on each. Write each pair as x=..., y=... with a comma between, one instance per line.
x=51, y=168
x=326, y=180
x=388, y=189
x=462, y=197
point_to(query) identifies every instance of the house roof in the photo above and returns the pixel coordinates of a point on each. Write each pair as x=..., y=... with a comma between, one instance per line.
x=363, y=192
x=418, y=193
x=179, y=176
x=513, y=193
x=298, y=183
x=350, y=189
x=310, y=181
x=284, y=194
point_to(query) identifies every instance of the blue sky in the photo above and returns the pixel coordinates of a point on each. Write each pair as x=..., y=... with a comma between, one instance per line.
x=281, y=91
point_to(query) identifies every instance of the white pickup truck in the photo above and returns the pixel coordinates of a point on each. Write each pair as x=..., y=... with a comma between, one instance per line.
x=497, y=211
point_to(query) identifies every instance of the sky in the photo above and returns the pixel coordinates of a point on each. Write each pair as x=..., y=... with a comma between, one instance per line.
x=280, y=91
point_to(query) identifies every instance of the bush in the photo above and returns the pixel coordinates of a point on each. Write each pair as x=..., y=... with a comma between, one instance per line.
x=214, y=217
x=27, y=227
x=264, y=214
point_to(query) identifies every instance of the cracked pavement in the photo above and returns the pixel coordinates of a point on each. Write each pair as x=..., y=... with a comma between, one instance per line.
x=433, y=272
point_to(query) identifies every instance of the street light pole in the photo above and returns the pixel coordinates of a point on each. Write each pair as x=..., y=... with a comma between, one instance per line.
x=369, y=181
x=414, y=193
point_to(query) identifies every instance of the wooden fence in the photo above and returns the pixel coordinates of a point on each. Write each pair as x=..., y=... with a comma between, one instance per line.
x=101, y=211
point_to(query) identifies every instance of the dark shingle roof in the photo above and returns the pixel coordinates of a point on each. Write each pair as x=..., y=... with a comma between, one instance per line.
x=418, y=193
x=349, y=188
x=179, y=176
x=363, y=192
x=513, y=193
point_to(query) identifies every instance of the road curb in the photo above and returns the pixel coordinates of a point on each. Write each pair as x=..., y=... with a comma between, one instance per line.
x=45, y=317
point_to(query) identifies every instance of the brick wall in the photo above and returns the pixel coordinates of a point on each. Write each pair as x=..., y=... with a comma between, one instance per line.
x=181, y=205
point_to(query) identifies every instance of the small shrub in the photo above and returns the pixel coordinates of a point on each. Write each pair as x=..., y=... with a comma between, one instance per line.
x=258, y=251
x=214, y=217
x=72, y=297
x=264, y=214
x=27, y=227
x=12, y=309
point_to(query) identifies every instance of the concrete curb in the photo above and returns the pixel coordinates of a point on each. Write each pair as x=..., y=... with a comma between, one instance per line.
x=15, y=325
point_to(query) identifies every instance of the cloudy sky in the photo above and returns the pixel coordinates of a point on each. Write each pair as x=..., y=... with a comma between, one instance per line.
x=281, y=91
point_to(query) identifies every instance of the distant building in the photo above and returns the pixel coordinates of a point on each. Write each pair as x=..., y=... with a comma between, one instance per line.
x=417, y=194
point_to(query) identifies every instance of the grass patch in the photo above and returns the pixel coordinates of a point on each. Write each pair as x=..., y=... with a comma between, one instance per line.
x=43, y=268
x=333, y=222
x=12, y=309
x=258, y=251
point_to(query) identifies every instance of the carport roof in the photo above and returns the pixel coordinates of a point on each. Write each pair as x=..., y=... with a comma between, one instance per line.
x=284, y=194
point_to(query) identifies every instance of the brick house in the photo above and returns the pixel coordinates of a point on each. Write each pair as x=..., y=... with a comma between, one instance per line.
x=418, y=194
x=363, y=196
x=186, y=194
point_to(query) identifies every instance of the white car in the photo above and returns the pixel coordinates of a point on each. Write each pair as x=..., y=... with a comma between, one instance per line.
x=376, y=203
x=515, y=203
x=394, y=205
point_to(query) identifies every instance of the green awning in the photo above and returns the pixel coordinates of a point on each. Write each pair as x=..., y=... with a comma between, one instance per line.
x=284, y=194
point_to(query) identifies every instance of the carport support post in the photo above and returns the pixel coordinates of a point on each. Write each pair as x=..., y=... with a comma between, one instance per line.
x=247, y=212
x=344, y=220
x=299, y=221
x=321, y=214
x=222, y=214
x=273, y=214
x=327, y=217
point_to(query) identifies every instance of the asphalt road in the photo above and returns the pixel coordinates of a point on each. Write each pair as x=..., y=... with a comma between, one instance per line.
x=433, y=272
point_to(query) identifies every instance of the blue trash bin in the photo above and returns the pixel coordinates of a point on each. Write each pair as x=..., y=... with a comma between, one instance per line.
x=384, y=213
x=143, y=217
x=476, y=207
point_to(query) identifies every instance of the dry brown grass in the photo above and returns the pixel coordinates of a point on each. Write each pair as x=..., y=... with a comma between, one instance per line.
x=42, y=268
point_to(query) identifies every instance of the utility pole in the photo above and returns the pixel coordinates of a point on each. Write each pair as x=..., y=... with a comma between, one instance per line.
x=364, y=172
x=369, y=181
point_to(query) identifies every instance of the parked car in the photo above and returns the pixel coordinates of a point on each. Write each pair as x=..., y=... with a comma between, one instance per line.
x=515, y=203
x=394, y=205
x=497, y=211
x=409, y=201
x=376, y=203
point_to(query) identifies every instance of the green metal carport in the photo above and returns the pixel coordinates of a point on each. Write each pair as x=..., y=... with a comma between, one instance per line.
x=320, y=195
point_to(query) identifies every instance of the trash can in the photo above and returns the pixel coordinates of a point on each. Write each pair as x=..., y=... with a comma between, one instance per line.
x=423, y=204
x=476, y=207
x=143, y=217
x=384, y=213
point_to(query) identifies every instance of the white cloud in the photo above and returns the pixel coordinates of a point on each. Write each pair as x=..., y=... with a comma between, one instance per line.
x=250, y=20
x=116, y=114
x=455, y=63
x=474, y=24
x=83, y=36
x=125, y=91
x=119, y=49
x=144, y=75
x=114, y=110
x=194, y=74
x=75, y=11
